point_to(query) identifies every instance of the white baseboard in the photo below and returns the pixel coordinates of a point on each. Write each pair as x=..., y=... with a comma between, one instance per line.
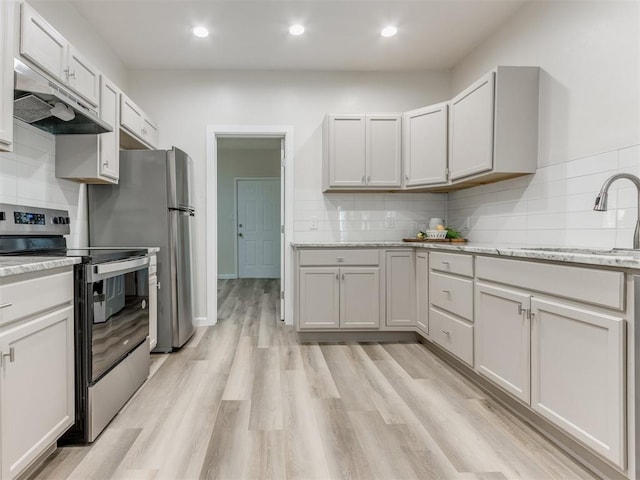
x=227, y=276
x=202, y=322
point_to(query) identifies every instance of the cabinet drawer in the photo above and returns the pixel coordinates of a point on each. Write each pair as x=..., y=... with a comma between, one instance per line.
x=452, y=294
x=339, y=257
x=28, y=294
x=452, y=334
x=452, y=263
x=598, y=287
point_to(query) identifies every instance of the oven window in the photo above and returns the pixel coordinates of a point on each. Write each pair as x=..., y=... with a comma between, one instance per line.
x=120, y=318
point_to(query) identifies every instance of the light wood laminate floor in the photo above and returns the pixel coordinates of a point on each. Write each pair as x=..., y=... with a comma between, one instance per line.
x=246, y=400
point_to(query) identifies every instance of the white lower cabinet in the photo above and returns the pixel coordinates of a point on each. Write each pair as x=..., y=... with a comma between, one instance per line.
x=400, y=278
x=331, y=297
x=422, y=292
x=502, y=339
x=37, y=402
x=578, y=374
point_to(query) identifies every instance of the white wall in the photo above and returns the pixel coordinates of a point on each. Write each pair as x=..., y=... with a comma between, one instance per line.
x=589, y=124
x=232, y=164
x=71, y=24
x=184, y=103
x=27, y=177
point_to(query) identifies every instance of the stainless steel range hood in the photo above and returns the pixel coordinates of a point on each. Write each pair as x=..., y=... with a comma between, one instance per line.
x=48, y=106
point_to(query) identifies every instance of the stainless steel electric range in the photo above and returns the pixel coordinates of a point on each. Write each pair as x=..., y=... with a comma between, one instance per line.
x=111, y=313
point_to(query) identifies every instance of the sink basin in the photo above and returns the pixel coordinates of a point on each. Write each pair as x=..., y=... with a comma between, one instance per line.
x=617, y=252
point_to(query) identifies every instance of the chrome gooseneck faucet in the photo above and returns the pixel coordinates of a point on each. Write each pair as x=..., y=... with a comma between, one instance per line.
x=601, y=201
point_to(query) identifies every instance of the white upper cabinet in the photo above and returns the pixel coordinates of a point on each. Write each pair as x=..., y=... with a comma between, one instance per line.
x=424, y=147
x=93, y=158
x=493, y=131
x=6, y=75
x=109, y=165
x=83, y=77
x=138, y=131
x=472, y=129
x=384, y=150
x=41, y=44
x=362, y=152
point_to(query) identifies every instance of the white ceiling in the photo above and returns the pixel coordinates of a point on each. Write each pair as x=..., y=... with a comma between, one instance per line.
x=341, y=34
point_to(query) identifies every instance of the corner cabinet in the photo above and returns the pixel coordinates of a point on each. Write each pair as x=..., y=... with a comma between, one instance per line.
x=93, y=158
x=362, y=152
x=37, y=403
x=493, y=129
x=42, y=45
x=339, y=289
x=424, y=146
x=6, y=74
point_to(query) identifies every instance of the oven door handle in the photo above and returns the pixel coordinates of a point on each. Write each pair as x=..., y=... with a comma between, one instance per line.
x=112, y=269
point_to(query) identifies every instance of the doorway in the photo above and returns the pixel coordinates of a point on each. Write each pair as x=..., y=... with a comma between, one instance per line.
x=218, y=213
x=258, y=227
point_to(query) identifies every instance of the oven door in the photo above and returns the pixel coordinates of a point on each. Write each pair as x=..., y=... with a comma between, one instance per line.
x=119, y=298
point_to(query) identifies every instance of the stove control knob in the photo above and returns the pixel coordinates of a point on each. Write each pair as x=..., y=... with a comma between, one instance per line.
x=67, y=221
x=56, y=220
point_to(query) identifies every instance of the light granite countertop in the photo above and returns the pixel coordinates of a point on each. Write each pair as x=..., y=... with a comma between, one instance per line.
x=17, y=265
x=588, y=256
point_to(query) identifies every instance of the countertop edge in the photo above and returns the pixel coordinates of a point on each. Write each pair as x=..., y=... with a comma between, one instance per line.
x=17, y=265
x=520, y=252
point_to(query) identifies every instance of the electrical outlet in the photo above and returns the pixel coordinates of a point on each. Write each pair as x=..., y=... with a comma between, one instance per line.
x=314, y=223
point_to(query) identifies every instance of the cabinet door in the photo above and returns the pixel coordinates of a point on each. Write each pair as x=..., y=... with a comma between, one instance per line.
x=425, y=145
x=130, y=116
x=110, y=142
x=36, y=387
x=471, y=132
x=319, y=298
x=383, y=150
x=83, y=77
x=502, y=336
x=400, y=277
x=346, y=150
x=578, y=376
x=6, y=76
x=422, y=292
x=42, y=44
x=360, y=297
x=149, y=132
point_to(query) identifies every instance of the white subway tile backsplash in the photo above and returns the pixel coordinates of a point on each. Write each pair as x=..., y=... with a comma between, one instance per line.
x=556, y=204
x=27, y=177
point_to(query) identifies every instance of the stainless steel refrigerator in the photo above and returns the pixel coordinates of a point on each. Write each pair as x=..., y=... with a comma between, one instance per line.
x=152, y=205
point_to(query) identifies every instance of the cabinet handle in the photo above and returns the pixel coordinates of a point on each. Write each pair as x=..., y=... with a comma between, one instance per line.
x=340, y=259
x=343, y=276
x=11, y=355
x=531, y=315
x=69, y=73
x=448, y=292
x=406, y=177
x=337, y=276
x=444, y=263
x=6, y=305
x=522, y=310
x=446, y=332
x=158, y=285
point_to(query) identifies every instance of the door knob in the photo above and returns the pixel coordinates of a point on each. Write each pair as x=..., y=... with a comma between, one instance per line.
x=240, y=235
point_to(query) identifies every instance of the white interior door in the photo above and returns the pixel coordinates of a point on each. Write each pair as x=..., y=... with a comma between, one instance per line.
x=258, y=202
x=283, y=176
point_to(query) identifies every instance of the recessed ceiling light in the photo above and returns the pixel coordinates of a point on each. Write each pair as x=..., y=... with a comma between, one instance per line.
x=296, y=29
x=201, y=32
x=389, y=31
